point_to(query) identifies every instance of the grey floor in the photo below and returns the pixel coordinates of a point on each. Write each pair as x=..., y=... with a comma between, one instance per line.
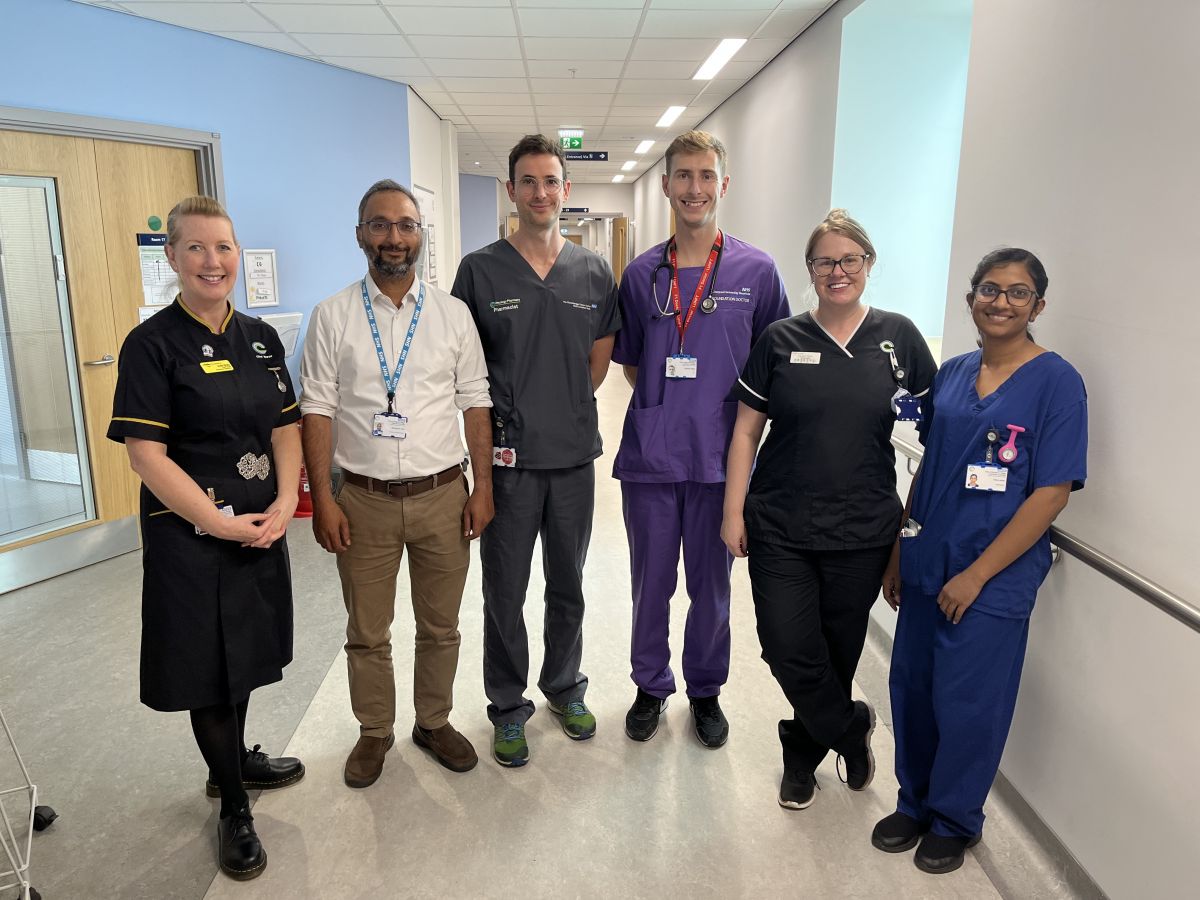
x=602, y=818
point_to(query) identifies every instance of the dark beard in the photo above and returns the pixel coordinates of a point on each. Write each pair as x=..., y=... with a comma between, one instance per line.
x=394, y=270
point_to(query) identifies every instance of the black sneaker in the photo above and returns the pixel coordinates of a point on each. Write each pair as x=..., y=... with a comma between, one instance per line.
x=262, y=773
x=239, y=852
x=641, y=722
x=711, y=725
x=860, y=763
x=897, y=833
x=939, y=854
x=797, y=789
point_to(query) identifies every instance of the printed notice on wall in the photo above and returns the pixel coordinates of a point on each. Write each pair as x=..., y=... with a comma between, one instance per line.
x=262, y=286
x=159, y=284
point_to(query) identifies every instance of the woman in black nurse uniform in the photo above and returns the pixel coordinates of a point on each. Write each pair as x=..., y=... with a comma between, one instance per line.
x=206, y=411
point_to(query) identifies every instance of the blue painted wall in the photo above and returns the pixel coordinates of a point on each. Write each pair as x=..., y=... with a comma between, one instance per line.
x=479, y=216
x=300, y=140
x=901, y=92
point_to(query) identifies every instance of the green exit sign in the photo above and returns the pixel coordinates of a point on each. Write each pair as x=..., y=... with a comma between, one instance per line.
x=571, y=143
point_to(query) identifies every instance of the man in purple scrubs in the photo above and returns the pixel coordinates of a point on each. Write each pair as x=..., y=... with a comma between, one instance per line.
x=692, y=308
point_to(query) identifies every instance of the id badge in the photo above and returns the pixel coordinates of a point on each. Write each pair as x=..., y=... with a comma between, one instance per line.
x=506, y=457
x=906, y=407
x=984, y=477
x=226, y=511
x=681, y=366
x=389, y=425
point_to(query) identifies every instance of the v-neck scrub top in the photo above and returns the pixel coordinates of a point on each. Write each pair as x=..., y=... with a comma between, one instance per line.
x=216, y=616
x=537, y=335
x=678, y=429
x=1046, y=397
x=825, y=477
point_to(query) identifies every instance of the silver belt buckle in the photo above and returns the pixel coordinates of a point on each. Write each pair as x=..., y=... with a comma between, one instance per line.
x=252, y=466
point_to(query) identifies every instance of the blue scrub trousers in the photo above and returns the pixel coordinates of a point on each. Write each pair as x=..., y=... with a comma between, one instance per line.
x=954, y=689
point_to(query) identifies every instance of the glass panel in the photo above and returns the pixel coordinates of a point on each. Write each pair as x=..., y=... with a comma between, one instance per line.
x=44, y=480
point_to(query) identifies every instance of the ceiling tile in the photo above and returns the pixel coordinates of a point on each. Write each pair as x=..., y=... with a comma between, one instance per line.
x=716, y=4
x=573, y=86
x=209, y=17
x=691, y=49
x=454, y=21
x=335, y=18
x=596, y=23
x=381, y=67
x=485, y=85
x=595, y=4
x=475, y=4
x=577, y=48
x=466, y=47
x=477, y=68
x=763, y=48
x=680, y=87
x=787, y=23
x=561, y=68
x=355, y=44
x=711, y=26
x=582, y=101
x=437, y=98
x=516, y=98
x=517, y=112
x=272, y=40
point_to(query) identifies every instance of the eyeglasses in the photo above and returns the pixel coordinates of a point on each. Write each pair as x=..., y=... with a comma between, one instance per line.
x=380, y=228
x=1017, y=296
x=851, y=263
x=529, y=184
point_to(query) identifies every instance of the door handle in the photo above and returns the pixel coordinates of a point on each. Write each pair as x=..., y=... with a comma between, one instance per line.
x=106, y=360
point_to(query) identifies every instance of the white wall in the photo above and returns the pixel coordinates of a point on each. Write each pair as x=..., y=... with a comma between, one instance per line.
x=1086, y=154
x=779, y=131
x=602, y=198
x=433, y=149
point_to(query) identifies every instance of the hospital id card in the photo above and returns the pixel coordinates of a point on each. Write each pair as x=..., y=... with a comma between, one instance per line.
x=389, y=425
x=505, y=457
x=681, y=366
x=226, y=511
x=906, y=407
x=982, y=477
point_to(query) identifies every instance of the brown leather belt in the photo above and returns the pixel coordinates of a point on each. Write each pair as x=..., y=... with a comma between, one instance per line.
x=407, y=487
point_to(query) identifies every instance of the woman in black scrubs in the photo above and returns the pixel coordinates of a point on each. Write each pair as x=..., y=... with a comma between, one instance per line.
x=822, y=513
x=206, y=411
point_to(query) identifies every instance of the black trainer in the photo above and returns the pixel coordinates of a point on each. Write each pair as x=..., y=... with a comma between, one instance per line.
x=641, y=722
x=239, y=851
x=939, y=854
x=262, y=773
x=711, y=725
x=797, y=789
x=860, y=762
x=897, y=833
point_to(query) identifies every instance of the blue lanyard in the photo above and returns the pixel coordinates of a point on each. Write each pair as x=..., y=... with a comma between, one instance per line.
x=389, y=383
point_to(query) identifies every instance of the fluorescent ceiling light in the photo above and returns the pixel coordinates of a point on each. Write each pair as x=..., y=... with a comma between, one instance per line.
x=719, y=57
x=669, y=117
x=629, y=165
x=618, y=178
x=571, y=132
x=644, y=147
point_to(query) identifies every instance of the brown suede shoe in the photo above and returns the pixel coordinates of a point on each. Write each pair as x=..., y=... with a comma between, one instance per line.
x=365, y=762
x=449, y=747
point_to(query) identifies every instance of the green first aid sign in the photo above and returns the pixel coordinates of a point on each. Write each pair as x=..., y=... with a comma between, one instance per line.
x=571, y=143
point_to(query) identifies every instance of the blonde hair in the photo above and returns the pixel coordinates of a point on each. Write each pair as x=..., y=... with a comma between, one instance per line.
x=195, y=206
x=839, y=222
x=697, y=142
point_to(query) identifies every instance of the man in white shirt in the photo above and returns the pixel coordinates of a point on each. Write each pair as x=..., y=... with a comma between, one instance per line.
x=392, y=361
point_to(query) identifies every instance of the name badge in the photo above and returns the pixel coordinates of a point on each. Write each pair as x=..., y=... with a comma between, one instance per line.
x=506, y=457
x=982, y=477
x=681, y=366
x=226, y=511
x=389, y=425
x=906, y=407
x=217, y=365
x=806, y=357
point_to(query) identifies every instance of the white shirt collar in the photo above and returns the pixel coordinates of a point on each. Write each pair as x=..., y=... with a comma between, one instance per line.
x=377, y=296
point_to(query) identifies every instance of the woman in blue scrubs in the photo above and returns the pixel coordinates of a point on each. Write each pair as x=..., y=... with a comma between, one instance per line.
x=1005, y=435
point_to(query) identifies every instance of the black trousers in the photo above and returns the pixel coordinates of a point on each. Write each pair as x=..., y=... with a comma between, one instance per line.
x=812, y=608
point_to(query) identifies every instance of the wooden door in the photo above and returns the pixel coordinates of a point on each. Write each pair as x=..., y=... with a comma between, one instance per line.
x=620, y=246
x=514, y=223
x=107, y=190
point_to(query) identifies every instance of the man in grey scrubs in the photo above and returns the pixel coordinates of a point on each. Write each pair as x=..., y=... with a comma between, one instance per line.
x=547, y=315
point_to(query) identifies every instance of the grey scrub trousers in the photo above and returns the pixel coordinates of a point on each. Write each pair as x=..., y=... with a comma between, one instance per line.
x=537, y=335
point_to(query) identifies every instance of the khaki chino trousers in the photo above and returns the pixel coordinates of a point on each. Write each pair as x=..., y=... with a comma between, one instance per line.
x=429, y=526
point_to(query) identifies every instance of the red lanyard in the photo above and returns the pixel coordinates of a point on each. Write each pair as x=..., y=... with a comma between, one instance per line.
x=683, y=322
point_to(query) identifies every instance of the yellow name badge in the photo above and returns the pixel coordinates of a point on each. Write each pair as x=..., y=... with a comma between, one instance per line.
x=217, y=365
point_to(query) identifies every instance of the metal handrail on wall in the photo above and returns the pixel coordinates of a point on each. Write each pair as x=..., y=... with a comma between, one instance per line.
x=1172, y=604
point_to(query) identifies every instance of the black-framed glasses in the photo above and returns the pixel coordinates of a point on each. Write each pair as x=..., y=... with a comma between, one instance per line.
x=379, y=228
x=850, y=263
x=1017, y=295
x=529, y=184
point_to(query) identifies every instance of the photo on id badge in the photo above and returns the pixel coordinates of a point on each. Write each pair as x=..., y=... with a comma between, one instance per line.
x=389, y=425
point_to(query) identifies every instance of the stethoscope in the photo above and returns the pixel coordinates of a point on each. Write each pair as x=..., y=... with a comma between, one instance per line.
x=708, y=304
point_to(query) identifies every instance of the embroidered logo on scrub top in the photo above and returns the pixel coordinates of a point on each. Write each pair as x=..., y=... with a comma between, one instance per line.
x=207, y=350
x=743, y=296
x=260, y=350
x=575, y=304
x=505, y=305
